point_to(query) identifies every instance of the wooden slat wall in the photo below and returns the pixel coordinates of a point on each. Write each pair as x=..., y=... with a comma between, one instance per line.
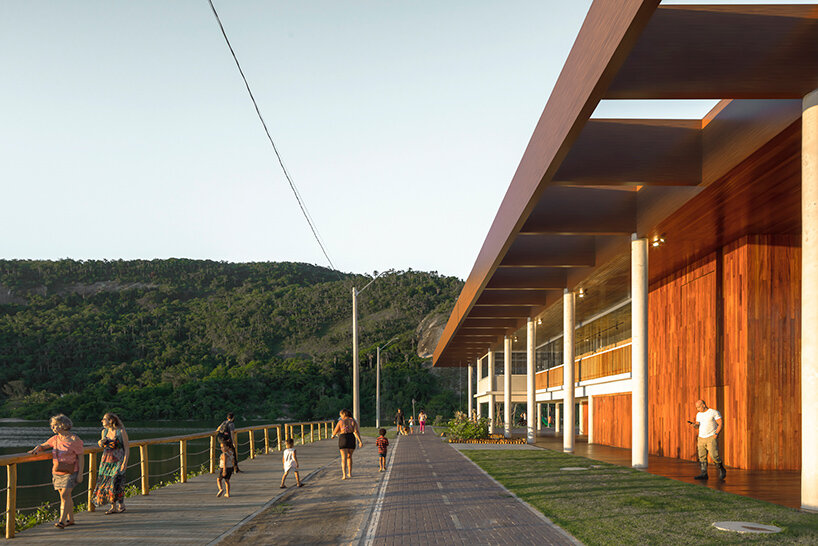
x=612, y=420
x=774, y=352
x=610, y=362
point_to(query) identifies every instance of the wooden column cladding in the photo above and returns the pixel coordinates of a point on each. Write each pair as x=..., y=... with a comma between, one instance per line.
x=612, y=419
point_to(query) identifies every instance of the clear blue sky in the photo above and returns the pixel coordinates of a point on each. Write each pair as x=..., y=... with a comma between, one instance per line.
x=127, y=132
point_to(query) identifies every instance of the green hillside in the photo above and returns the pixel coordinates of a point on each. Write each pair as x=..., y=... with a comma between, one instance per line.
x=185, y=339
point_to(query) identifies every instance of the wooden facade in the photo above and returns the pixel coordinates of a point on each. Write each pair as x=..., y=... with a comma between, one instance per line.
x=612, y=419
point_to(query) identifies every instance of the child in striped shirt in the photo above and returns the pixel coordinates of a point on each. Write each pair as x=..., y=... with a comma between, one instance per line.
x=382, y=444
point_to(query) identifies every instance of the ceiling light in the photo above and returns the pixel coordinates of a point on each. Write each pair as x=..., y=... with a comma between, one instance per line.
x=657, y=241
x=581, y=293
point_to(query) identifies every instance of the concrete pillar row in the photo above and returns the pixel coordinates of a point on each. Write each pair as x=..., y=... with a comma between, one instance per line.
x=568, y=371
x=809, y=302
x=507, y=386
x=529, y=383
x=557, y=426
x=639, y=351
x=471, y=388
x=491, y=391
x=581, y=410
x=539, y=417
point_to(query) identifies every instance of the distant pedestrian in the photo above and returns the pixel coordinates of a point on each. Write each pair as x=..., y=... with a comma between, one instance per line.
x=422, y=421
x=110, y=487
x=411, y=424
x=382, y=444
x=227, y=433
x=226, y=465
x=348, y=433
x=290, y=460
x=66, y=472
x=400, y=421
x=709, y=423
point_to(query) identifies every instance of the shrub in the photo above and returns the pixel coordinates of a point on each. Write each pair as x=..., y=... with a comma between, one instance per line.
x=463, y=428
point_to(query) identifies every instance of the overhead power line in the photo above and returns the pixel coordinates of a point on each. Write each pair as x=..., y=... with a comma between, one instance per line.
x=297, y=195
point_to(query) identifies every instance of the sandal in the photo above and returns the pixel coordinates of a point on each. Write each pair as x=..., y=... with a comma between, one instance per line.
x=68, y=523
x=59, y=525
x=121, y=508
x=111, y=511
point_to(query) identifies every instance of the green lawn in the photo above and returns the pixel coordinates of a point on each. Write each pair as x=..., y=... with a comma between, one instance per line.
x=619, y=505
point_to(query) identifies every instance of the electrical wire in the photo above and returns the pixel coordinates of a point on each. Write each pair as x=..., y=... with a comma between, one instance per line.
x=297, y=195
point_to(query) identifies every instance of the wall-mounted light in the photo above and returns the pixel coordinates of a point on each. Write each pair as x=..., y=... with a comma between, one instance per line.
x=657, y=241
x=581, y=293
x=539, y=320
x=515, y=339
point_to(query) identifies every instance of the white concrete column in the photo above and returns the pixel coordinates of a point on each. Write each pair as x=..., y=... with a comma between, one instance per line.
x=479, y=409
x=471, y=389
x=491, y=391
x=809, y=302
x=556, y=418
x=531, y=435
x=507, y=386
x=581, y=410
x=539, y=417
x=568, y=371
x=590, y=419
x=639, y=351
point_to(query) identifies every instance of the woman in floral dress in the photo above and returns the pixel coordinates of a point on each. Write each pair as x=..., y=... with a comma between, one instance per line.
x=111, y=480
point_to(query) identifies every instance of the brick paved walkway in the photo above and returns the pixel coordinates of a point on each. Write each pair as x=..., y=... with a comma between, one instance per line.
x=435, y=495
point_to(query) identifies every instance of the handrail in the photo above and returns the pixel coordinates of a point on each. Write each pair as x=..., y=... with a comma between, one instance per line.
x=11, y=461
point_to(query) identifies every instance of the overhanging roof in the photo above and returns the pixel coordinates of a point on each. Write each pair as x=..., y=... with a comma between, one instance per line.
x=583, y=186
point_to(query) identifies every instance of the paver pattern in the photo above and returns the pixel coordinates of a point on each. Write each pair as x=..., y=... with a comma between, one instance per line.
x=187, y=513
x=437, y=496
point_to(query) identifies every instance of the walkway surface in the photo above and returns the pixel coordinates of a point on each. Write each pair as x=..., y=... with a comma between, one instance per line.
x=435, y=495
x=188, y=513
x=776, y=486
x=431, y=494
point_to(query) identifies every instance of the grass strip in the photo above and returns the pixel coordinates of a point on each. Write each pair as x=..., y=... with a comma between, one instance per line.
x=610, y=504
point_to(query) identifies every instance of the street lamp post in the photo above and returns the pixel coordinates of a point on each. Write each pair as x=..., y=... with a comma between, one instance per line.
x=378, y=383
x=356, y=392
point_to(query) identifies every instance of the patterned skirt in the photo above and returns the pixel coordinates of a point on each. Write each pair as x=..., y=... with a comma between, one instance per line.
x=111, y=479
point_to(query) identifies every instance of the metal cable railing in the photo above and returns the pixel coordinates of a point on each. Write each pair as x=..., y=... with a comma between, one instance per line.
x=164, y=460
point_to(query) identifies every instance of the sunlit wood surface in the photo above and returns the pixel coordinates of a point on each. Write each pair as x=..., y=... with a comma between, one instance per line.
x=776, y=486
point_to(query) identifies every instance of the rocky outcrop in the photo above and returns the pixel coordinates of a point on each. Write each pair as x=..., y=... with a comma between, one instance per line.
x=429, y=331
x=7, y=297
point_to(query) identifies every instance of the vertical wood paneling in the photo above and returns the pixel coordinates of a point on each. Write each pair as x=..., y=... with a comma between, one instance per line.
x=612, y=420
x=609, y=362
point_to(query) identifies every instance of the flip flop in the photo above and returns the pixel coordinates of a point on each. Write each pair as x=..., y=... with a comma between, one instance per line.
x=59, y=525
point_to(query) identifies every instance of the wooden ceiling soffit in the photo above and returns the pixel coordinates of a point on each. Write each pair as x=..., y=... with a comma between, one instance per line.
x=536, y=250
x=526, y=278
x=705, y=52
x=592, y=211
x=472, y=322
x=635, y=152
x=609, y=32
x=513, y=297
x=501, y=311
x=482, y=331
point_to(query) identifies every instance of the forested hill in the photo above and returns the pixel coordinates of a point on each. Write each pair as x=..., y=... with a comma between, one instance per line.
x=190, y=339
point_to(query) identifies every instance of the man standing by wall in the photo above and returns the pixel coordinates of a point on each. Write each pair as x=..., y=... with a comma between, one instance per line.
x=709, y=423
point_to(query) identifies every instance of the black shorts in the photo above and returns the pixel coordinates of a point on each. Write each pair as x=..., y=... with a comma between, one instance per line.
x=226, y=473
x=382, y=455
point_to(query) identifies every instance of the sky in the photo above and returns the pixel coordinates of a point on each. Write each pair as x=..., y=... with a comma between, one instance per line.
x=127, y=132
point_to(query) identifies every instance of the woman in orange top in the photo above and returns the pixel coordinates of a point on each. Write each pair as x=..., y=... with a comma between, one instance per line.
x=347, y=431
x=66, y=450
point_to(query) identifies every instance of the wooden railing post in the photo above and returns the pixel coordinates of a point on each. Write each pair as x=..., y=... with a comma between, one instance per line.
x=252, y=445
x=93, y=470
x=266, y=440
x=143, y=463
x=278, y=437
x=213, y=454
x=302, y=434
x=183, y=460
x=11, y=499
x=312, y=432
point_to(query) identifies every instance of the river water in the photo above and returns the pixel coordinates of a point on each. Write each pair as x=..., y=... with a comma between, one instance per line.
x=34, y=479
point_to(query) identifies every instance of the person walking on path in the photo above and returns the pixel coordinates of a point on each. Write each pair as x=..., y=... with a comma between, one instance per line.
x=422, y=421
x=709, y=423
x=411, y=424
x=290, y=460
x=400, y=421
x=66, y=449
x=110, y=487
x=226, y=465
x=227, y=433
x=382, y=444
x=347, y=431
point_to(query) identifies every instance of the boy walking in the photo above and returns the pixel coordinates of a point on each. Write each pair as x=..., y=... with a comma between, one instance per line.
x=226, y=463
x=382, y=444
x=289, y=460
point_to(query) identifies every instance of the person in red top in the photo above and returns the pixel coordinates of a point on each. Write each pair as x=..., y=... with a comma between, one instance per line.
x=382, y=444
x=66, y=453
